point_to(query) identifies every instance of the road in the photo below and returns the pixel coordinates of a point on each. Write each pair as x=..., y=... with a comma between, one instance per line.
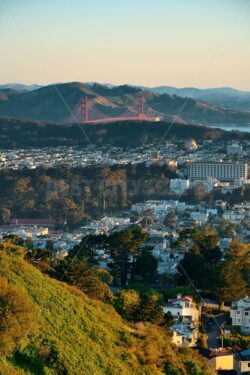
x=213, y=323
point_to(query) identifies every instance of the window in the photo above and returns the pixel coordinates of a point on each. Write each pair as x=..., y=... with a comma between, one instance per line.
x=238, y=312
x=246, y=313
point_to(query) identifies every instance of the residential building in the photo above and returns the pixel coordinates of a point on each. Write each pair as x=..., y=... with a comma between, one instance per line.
x=240, y=314
x=182, y=307
x=222, y=359
x=184, y=334
x=242, y=362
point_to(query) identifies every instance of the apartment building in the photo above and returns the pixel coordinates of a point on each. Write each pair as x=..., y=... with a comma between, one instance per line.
x=222, y=171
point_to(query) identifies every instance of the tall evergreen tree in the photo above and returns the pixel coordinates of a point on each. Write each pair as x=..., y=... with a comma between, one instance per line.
x=124, y=248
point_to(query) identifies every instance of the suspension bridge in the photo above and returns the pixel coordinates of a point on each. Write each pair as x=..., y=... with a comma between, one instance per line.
x=87, y=111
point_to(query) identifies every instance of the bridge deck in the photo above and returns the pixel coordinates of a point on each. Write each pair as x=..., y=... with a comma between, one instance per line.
x=116, y=119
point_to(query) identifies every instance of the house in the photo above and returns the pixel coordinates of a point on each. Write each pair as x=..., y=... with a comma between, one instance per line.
x=184, y=334
x=242, y=362
x=221, y=359
x=182, y=307
x=240, y=314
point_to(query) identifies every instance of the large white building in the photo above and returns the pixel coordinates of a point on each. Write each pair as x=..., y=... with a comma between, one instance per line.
x=240, y=314
x=222, y=171
x=182, y=307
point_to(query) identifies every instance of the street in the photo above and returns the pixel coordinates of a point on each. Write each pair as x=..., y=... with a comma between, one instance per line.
x=213, y=325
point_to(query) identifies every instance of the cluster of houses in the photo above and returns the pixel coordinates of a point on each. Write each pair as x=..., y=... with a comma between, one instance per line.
x=176, y=155
x=215, y=165
x=187, y=316
x=162, y=234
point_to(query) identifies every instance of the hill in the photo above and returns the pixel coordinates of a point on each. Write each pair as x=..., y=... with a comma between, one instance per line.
x=223, y=96
x=27, y=133
x=74, y=335
x=54, y=103
x=20, y=86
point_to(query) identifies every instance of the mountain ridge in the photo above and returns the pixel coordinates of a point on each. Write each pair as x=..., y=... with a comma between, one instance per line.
x=54, y=103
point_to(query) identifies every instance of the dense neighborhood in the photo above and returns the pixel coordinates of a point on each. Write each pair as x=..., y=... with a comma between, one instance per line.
x=206, y=166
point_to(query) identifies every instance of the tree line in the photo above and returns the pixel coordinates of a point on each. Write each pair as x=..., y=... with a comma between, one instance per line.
x=74, y=195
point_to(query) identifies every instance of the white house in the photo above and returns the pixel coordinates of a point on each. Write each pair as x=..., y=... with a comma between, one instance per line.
x=182, y=307
x=240, y=314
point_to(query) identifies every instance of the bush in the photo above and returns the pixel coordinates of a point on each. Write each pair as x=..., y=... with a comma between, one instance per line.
x=17, y=317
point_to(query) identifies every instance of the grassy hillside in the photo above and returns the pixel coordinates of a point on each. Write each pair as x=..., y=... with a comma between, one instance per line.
x=76, y=335
x=86, y=335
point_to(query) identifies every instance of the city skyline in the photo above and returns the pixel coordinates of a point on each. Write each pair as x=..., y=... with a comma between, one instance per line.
x=181, y=44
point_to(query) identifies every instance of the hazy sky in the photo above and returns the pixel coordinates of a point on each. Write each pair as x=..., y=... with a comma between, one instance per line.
x=204, y=43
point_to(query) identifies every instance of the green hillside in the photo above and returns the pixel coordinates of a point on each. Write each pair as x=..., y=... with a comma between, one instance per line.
x=75, y=335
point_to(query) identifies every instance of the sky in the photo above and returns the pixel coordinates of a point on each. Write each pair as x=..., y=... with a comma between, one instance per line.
x=202, y=43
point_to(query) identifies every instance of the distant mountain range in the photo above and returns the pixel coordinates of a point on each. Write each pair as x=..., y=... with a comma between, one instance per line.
x=20, y=86
x=223, y=96
x=48, y=102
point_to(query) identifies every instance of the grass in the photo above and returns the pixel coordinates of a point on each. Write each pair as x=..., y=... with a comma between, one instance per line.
x=75, y=335
x=87, y=335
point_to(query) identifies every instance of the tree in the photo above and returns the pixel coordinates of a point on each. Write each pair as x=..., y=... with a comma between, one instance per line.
x=86, y=250
x=124, y=248
x=87, y=278
x=227, y=229
x=17, y=317
x=201, y=263
x=127, y=304
x=233, y=279
x=148, y=216
x=4, y=215
x=168, y=319
x=239, y=253
x=230, y=284
x=40, y=258
x=246, y=222
x=236, y=340
x=170, y=220
x=202, y=340
x=150, y=309
x=50, y=245
x=145, y=267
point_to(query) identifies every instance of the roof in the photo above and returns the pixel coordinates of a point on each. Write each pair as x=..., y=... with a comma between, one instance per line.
x=211, y=353
x=218, y=162
x=244, y=355
x=32, y=221
x=182, y=299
